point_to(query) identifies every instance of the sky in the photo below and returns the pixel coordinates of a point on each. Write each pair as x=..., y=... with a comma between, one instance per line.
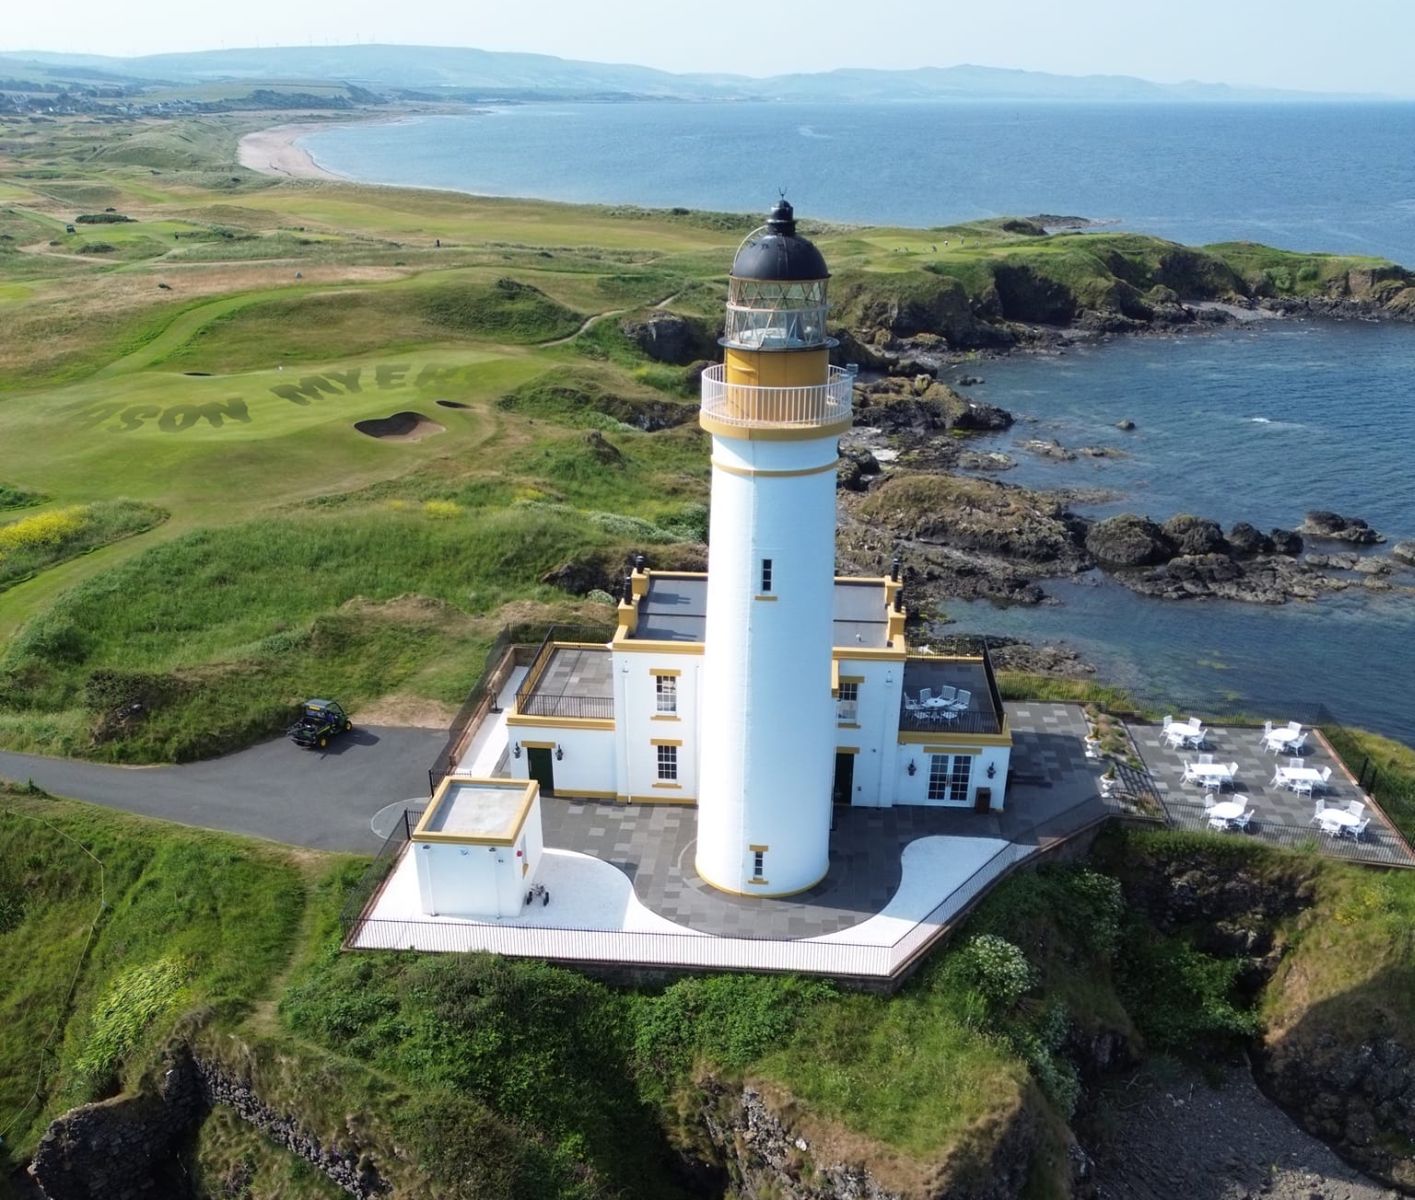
x=1310, y=45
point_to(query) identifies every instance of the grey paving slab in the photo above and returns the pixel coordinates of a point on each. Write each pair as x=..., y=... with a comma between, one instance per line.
x=318, y=798
x=1280, y=816
x=1057, y=793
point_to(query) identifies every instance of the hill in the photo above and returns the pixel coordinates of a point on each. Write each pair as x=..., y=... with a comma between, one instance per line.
x=437, y=68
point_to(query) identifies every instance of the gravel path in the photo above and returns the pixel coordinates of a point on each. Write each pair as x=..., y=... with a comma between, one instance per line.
x=1174, y=1137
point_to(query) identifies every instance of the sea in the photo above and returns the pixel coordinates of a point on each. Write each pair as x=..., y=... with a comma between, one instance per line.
x=1256, y=423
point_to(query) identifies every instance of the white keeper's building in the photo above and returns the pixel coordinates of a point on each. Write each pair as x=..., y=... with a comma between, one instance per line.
x=769, y=689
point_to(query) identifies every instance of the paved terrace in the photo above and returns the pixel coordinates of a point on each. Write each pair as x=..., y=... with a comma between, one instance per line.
x=624, y=890
x=577, y=681
x=1281, y=817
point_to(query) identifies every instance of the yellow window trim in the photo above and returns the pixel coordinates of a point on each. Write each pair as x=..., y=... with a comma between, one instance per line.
x=677, y=787
x=852, y=679
x=764, y=596
x=664, y=742
x=537, y=745
x=847, y=749
x=664, y=717
x=758, y=849
x=847, y=724
x=760, y=882
x=665, y=671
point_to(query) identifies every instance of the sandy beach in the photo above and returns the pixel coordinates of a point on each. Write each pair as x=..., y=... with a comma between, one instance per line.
x=277, y=152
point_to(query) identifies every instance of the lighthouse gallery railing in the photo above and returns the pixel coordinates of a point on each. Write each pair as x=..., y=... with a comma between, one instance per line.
x=749, y=407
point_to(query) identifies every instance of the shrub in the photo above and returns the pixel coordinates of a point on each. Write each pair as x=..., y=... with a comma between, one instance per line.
x=997, y=969
x=103, y=218
x=442, y=510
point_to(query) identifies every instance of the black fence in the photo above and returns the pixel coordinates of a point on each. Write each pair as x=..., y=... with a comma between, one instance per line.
x=377, y=871
x=566, y=706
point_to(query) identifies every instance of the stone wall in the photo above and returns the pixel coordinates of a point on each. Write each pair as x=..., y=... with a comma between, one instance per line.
x=133, y=1147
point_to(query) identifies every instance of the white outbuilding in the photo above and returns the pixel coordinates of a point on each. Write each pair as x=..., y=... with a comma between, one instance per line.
x=477, y=847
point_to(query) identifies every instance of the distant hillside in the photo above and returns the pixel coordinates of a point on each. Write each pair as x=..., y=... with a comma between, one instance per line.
x=459, y=68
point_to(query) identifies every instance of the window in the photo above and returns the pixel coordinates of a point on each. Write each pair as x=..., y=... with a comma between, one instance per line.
x=958, y=780
x=938, y=777
x=758, y=863
x=667, y=689
x=948, y=780
x=847, y=705
x=667, y=762
x=766, y=575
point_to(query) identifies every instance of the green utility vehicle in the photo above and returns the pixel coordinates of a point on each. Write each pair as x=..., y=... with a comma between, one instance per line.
x=320, y=722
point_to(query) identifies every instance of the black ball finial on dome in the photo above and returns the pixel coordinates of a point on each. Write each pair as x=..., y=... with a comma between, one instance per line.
x=780, y=254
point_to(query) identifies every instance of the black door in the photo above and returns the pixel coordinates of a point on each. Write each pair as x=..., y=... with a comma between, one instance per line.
x=844, y=778
x=542, y=769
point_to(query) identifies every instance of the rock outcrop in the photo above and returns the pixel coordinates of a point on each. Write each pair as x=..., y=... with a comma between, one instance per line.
x=1128, y=540
x=668, y=337
x=1334, y=527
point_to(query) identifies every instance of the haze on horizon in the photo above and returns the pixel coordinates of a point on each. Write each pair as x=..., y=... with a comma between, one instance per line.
x=1306, y=45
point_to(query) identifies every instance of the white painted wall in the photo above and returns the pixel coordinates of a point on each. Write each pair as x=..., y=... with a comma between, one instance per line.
x=638, y=723
x=468, y=880
x=588, y=763
x=768, y=727
x=915, y=789
x=877, y=716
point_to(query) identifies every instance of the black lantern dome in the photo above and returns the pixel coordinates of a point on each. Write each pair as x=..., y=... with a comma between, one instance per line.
x=779, y=253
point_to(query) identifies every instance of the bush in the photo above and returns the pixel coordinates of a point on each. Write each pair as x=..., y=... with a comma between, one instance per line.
x=1181, y=999
x=103, y=218
x=997, y=969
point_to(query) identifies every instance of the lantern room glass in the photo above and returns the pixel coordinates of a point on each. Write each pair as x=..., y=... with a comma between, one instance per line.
x=775, y=315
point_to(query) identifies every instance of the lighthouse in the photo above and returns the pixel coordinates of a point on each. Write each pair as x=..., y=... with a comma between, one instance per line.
x=775, y=408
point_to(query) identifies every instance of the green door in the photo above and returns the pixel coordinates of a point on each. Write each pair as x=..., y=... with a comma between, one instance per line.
x=542, y=768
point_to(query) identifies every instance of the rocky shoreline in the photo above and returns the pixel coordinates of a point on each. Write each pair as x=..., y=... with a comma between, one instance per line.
x=965, y=537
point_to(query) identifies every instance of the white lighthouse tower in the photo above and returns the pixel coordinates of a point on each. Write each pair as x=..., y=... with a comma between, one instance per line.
x=774, y=408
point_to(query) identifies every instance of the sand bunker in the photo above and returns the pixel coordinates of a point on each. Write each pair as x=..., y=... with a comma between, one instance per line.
x=400, y=427
x=453, y=404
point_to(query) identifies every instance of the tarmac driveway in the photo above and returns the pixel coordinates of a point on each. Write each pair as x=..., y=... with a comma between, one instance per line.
x=318, y=798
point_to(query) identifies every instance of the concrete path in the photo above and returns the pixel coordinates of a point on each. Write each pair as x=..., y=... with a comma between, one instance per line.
x=323, y=799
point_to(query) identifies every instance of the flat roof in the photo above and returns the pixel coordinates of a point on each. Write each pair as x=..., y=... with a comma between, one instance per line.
x=480, y=811
x=674, y=609
x=961, y=674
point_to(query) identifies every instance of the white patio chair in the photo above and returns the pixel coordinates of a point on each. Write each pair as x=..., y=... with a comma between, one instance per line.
x=1219, y=823
x=1168, y=721
x=1303, y=787
x=963, y=699
x=1278, y=779
x=925, y=695
x=1232, y=773
x=1175, y=736
x=1317, y=812
x=1206, y=759
x=1356, y=807
x=947, y=693
x=1209, y=801
x=1267, y=733
x=1298, y=763
x=1296, y=744
x=911, y=706
x=945, y=713
x=1356, y=831
x=1326, y=777
x=1240, y=822
x=1189, y=775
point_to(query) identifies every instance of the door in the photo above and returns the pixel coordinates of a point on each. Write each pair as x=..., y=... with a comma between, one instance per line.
x=844, y=792
x=542, y=768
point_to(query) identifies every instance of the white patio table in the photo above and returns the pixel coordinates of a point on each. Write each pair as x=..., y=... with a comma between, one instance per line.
x=1287, y=776
x=1210, y=774
x=1333, y=820
x=1228, y=810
